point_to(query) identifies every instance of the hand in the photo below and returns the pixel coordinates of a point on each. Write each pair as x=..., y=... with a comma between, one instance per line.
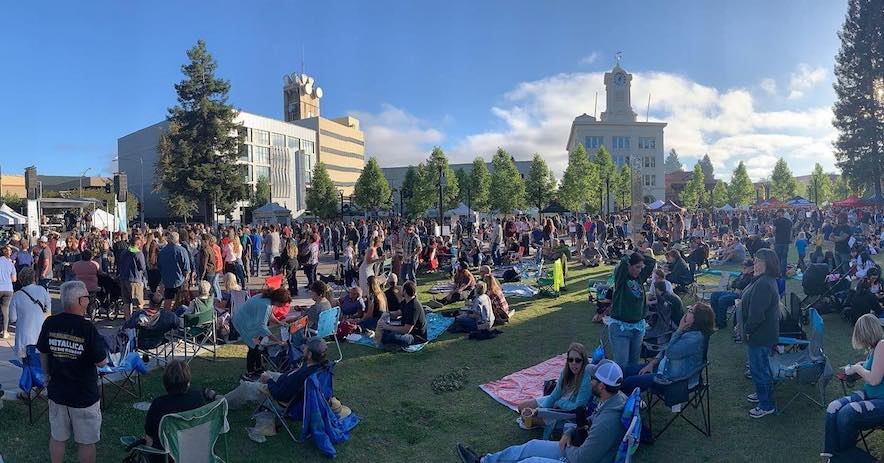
x=265, y=377
x=649, y=368
x=683, y=324
x=564, y=442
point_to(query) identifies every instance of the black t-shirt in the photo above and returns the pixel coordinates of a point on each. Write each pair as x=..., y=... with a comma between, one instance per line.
x=74, y=347
x=783, y=233
x=842, y=247
x=413, y=314
x=393, y=303
x=166, y=404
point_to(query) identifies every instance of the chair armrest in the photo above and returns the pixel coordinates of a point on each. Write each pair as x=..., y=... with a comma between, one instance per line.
x=696, y=371
x=555, y=414
x=792, y=341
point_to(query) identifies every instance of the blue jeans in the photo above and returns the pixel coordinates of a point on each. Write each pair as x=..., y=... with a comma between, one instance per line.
x=759, y=367
x=626, y=345
x=467, y=323
x=720, y=301
x=368, y=324
x=495, y=257
x=407, y=272
x=533, y=451
x=398, y=339
x=782, y=251
x=632, y=379
x=847, y=416
x=255, y=263
x=213, y=280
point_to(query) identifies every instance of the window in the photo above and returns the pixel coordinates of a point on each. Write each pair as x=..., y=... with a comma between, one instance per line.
x=620, y=142
x=277, y=139
x=243, y=153
x=647, y=143
x=593, y=142
x=260, y=137
x=293, y=143
x=244, y=131
x=650, y=161
x=261, y=155
x=308, y=167
x=250, y=174
x=262, y=171
x=308, y=147
x=650, y=180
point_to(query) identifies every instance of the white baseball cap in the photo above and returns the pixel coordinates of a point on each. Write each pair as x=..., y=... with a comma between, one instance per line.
x=44, y=239
x=608, y=373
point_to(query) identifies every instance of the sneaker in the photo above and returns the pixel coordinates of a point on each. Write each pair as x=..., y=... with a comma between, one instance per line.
x=752, y=398
x=4, y=335
x=467, y=455
x=758, y=412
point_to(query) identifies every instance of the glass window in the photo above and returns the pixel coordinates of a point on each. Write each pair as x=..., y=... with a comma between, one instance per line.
x=262, y=171
x=243, y=153
x=293, y=143
x=277, y=139
x=620, y=142
x=308, y=167
x=593, y=142
x=244, y=131
x=250, y=174
x=261, y=155
x=647, y=143
x=260, y=137
x=650, y=161
x=308, y=147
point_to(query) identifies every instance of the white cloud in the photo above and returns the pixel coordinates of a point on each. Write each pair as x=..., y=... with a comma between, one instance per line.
x=769, y=85
x=590, y=58
x=804, y=79
x=395, y=137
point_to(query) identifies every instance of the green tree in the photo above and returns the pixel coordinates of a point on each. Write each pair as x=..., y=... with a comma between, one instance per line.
x=416, y=192
x=13, y=201
x=262, y=192
x=183, y=207
x=782, y=183
x=740, y=191
x=540, y=185
x=843, y=188
x=859, y=104
x=606, y=171
x=706, y=165
x=462, y=184
x=507, y=186
x=197, y=161
x=672, y=163
x=623, y=188
x=694, y=193
x=579, y=181
x=719, y=194
x=372, y=191
x=450, y=190
x=322, y=196
x=480, y=186
x=819, y=189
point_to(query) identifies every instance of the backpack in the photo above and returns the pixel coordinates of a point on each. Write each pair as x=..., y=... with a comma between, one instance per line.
x=511, y=276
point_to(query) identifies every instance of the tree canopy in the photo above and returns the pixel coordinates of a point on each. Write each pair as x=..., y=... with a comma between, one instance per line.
x=372, y=191
x=322, y=196
x=430, y=184
x=579, y=181
x=694, y=193
x=782, y=183
x=720, y=195
x=819, y=189
x=741, y=192
x=706, y=165
x=416, y=194
x=541, y=183
x=480, y=186
x=672, y=163
x=507, y=186
x=261, y=196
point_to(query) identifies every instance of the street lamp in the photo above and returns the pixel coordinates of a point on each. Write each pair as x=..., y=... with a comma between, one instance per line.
x=81, y=180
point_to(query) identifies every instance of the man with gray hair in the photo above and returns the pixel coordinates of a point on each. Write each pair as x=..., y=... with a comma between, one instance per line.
x=70, y=350
x=173, y=262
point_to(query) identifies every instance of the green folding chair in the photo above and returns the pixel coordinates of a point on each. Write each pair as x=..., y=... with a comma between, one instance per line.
x=188, y=436
x=199, y=334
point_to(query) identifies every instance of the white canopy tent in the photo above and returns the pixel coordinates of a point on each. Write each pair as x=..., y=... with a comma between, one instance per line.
x=725, y=208
x=272, y=213
x=656, y=204
x=103, y=220
x=10, y=217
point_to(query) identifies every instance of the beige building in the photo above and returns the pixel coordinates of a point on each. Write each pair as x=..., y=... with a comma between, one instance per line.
x=12, y=185
x=340, y=144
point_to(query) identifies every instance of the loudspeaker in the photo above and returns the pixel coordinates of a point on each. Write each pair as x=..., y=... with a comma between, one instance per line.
x=32, y=187
x=121, y=187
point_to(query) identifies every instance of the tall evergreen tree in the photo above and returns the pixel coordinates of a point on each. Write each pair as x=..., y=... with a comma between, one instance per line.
x=372, y=191
x=463, y=182
x=197, y=161
x=708, y=170
x=859, y=115
x=416, y=194
x=541, y=183
x=694, y=193
x=579, y=181
x=842, y=188
x=782, y=183
x=507, y=187
x=741, y=192
x=322, y=196
x=480, y=186
x=672, y=163
x=719, y=194
x=450, y=190
x=261, y=196
x=819, y=189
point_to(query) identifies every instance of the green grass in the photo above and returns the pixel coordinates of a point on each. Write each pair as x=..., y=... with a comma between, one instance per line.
x=403, y=419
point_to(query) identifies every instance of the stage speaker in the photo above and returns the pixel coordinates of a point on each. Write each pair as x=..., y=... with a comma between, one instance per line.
x=32, y=187
x=121, y=187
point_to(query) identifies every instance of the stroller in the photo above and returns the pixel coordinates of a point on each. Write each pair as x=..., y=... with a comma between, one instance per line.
x=107, y=302
x=827, y=296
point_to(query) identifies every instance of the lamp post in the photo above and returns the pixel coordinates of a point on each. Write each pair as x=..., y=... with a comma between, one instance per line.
x=440, y=198
x=342, y=205
x=392, y=202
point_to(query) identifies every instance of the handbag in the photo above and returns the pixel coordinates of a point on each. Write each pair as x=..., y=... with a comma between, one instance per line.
x=346, y=328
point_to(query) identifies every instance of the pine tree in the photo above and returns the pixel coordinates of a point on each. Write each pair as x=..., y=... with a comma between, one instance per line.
x=694, y=193
x=859, y=115
x=579, y=181
x=541, y=183
x=706, y=165
x=782, y=183
x=843, y=188
x=322, y=197
x=197, y=162
x=372, y=191
x=740, y=191
x=607, y=171
x=480, y=186
x=463, y=182
x=719, y=194
x=672, y=163
x=507, y=186
x=450, y=190
x=819, y=190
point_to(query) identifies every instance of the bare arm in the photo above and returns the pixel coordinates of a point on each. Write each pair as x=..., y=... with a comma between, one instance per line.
x=873, y=377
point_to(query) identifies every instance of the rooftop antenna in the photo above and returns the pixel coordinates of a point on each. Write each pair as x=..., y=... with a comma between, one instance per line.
x=302, y=59
x=648, y=111
x=595, y=111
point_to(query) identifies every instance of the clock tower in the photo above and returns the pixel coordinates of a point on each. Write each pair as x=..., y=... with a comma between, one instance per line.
x=618, y=107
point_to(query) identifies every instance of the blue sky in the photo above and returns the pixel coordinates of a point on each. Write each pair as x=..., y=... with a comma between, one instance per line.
x=744, y=80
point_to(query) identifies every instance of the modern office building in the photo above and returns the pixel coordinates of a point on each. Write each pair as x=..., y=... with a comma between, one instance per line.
x=623, y=136
x=340, y=144
x=283, y=153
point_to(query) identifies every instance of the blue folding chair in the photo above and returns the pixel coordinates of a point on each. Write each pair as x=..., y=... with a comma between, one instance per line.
x=31, y=381
x=122, y=373
x=328, y=326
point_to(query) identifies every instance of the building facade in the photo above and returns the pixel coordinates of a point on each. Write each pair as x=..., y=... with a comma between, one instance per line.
x=281, y=152
x=623, y=136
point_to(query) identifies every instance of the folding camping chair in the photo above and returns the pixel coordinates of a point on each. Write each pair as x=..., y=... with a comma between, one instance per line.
x=705, y=291
x=680, y=394
x=557, y=419
x=199, y=333
x=31, y=382
x=123, y=373
x=550, y=284
x=289, y=358
x=156, y=345
x=188, y=436
x=809, y=365
x=328, y=326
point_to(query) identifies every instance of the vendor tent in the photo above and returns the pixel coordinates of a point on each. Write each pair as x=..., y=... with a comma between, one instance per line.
x=656, y=204
x=725, y=208
x=271, y=213
x=554, y=208
x=460, y=210
x=851, y=201
x=873, y=199
x=103, y=220
x=10, y=217
x=799, y=202
x=669, y=206
x=772, y=203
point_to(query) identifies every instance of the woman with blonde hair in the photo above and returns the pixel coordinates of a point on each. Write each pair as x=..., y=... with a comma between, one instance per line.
x=376, y=304
x=866, y=407
x=573, y=388
x=499, y=306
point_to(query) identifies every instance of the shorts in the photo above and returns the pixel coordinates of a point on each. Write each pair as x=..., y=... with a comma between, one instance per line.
x=133, y=292
x=170, y=293
x=85, y=423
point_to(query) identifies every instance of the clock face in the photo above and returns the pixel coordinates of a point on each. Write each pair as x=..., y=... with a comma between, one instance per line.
x=619, y=78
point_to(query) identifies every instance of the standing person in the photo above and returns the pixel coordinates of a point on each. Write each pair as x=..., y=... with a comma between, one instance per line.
x=43, y=262
x=841, y=236
x=207, y=269
x=336, y=240
x=289, y=262
x=174, y=265
x=782, y=239
x=257, y=248
x=759, y=307
x=411, y=249
x=8, y=276
x=311, y=260
x=29, y=308
x=130, y=270
x=496, y=241
x=245, y=241
x=70, y=350
x=366, y=268
x=274, y=243
x=626, y=325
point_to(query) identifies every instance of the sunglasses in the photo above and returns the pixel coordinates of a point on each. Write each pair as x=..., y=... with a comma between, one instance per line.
x=575, y=360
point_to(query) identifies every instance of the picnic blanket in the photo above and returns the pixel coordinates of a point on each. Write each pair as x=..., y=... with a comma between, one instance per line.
x=519, y=290
x=436, y=325
x=525, y=384
x=441, y=287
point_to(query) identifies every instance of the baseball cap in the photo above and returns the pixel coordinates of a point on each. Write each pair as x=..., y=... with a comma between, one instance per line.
x=316, y=345
x=44, y=239
x=608, y=373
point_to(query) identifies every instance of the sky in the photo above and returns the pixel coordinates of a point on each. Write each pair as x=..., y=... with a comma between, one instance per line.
x=749, y=80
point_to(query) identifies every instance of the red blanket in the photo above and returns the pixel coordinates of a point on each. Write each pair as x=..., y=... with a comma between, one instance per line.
x=524, y=384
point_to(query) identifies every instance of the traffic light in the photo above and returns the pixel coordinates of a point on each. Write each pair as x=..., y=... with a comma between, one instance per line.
x=107, y=188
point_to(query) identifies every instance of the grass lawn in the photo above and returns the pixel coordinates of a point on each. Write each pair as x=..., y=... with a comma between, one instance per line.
x=404, y=420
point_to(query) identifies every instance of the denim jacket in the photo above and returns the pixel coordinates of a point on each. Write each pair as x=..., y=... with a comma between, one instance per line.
x=683, y=355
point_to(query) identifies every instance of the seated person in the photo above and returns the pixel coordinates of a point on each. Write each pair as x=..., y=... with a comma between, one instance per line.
x=202, y=303
x=392, y=293
x=679, y=274
x=862, y=262
x=352, y=303
x=658, y=275
x=478, y=315
x=721, y=301
x=573, y=388
x=698, y=256
x=683, y=354
x=464, y=282
x=320, y=294
x=499, y=305
x=670, y=300
x=601, y=442
x=179, y=398
x=376, y=306
x=734, y=253
x=406, y=327
x=281, y=387
x=591, y=257
x=818, y=257
x=862, y=301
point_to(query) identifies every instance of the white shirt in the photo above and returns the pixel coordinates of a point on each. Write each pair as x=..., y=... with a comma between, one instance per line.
x=7, y=272
x=28, y=316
